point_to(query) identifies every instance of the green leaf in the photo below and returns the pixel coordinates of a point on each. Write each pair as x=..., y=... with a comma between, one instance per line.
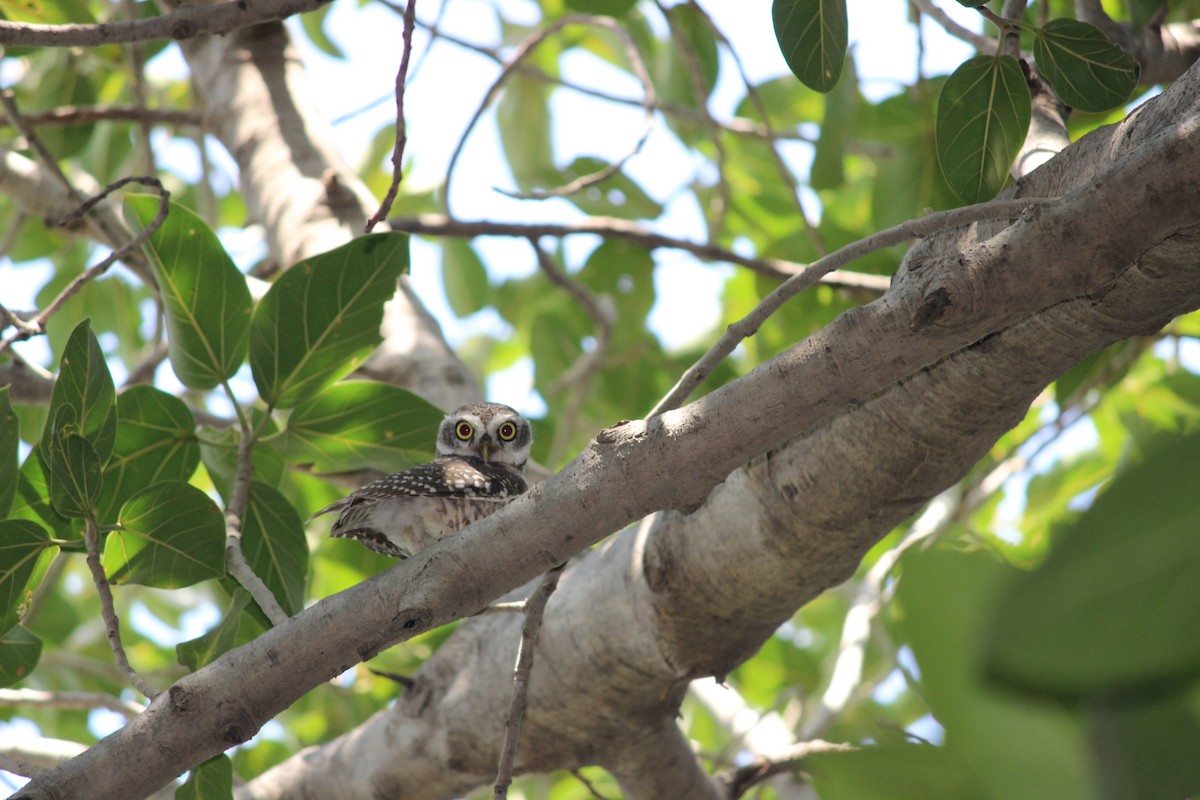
x=812, y=36
x=85, y=385
x=212, y=780
x=523, y=114
x=1015, y=746
x=607, y=8
x=618, y=195
x=156, y=441
x=1148, y=748
x=1086, y=70
x=982, y=118
x=905, y=772
x=205, y=649
x=10, y=455
x=840, y=107
x=74, y=476
x=314, y=27
x=21, y=544
x=19, y=654
x=171, y=535
x=464, y=277
x=206, y=299
x=321, y=318
x=1113, y=607
x=33, y=498
x=275, y=546
x=359, y=424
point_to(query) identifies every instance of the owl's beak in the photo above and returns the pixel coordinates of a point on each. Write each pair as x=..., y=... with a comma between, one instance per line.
x=486, y=448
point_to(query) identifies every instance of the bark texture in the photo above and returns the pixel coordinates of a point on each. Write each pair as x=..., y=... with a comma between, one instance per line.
x=762, y=494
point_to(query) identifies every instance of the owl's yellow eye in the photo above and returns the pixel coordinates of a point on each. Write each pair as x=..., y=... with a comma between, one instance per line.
x=507, y=432
x=464, y=431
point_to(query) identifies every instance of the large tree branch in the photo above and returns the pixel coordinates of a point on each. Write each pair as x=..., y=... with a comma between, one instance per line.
x=892, y=402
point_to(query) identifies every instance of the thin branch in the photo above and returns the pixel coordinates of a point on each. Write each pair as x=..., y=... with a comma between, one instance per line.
x=102, y=266
x=410, y=11
x=592, y=790
x=112, y=625
x=535, y=609
x=612, y=228
x=748, y=325
x=79, y=115
x=186, y=22
x=649, y=100
x=984, y=44
x=520, y=53
x=15, y=698
x=235, y=559
x=738, y=125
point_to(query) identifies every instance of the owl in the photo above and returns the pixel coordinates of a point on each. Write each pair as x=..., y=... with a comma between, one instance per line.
x=482, y=449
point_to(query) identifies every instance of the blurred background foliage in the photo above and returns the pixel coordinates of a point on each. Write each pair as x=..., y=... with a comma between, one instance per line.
x=935, y=654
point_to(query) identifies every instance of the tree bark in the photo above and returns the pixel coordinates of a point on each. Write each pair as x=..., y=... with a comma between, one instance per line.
x=883, y=408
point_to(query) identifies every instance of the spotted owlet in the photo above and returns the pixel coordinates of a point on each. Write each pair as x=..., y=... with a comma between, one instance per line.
x=482, y=449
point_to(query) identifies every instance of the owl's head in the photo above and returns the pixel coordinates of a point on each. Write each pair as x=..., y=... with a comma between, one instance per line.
x=490, y=431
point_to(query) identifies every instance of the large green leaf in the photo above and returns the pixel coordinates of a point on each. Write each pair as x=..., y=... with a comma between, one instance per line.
x=982, y=118
x=321, y=318
x=86, y=387
x=1013, y=745
x=10, y=456
x=1114, y=605
x=1086, y=70
x=359, y=424
x=21, y=544
x=156, y=441
x=1149, y=748
x=206, y=299
x=275, y=546
x=212, y=780
x=74, y=476
x=19, y=654
x=812, y=36
x=171, y=535
x=905, y=772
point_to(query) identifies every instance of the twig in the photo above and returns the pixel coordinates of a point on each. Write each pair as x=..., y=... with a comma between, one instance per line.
x=112, y=625
x=749, y=324
x=185, y=22
x=649, y=101
x=34, y=697
x=98, y=269
x=738, y=125
x=235, y=559
x=380, y=215
x=592, y=790
x=984, y=44
x=612, y=228
x=535, y=608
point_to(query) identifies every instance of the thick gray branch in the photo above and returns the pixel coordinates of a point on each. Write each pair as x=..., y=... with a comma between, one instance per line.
x=887, y=405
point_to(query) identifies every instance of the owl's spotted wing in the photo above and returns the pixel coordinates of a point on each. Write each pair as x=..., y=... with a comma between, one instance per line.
x=406, y=512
